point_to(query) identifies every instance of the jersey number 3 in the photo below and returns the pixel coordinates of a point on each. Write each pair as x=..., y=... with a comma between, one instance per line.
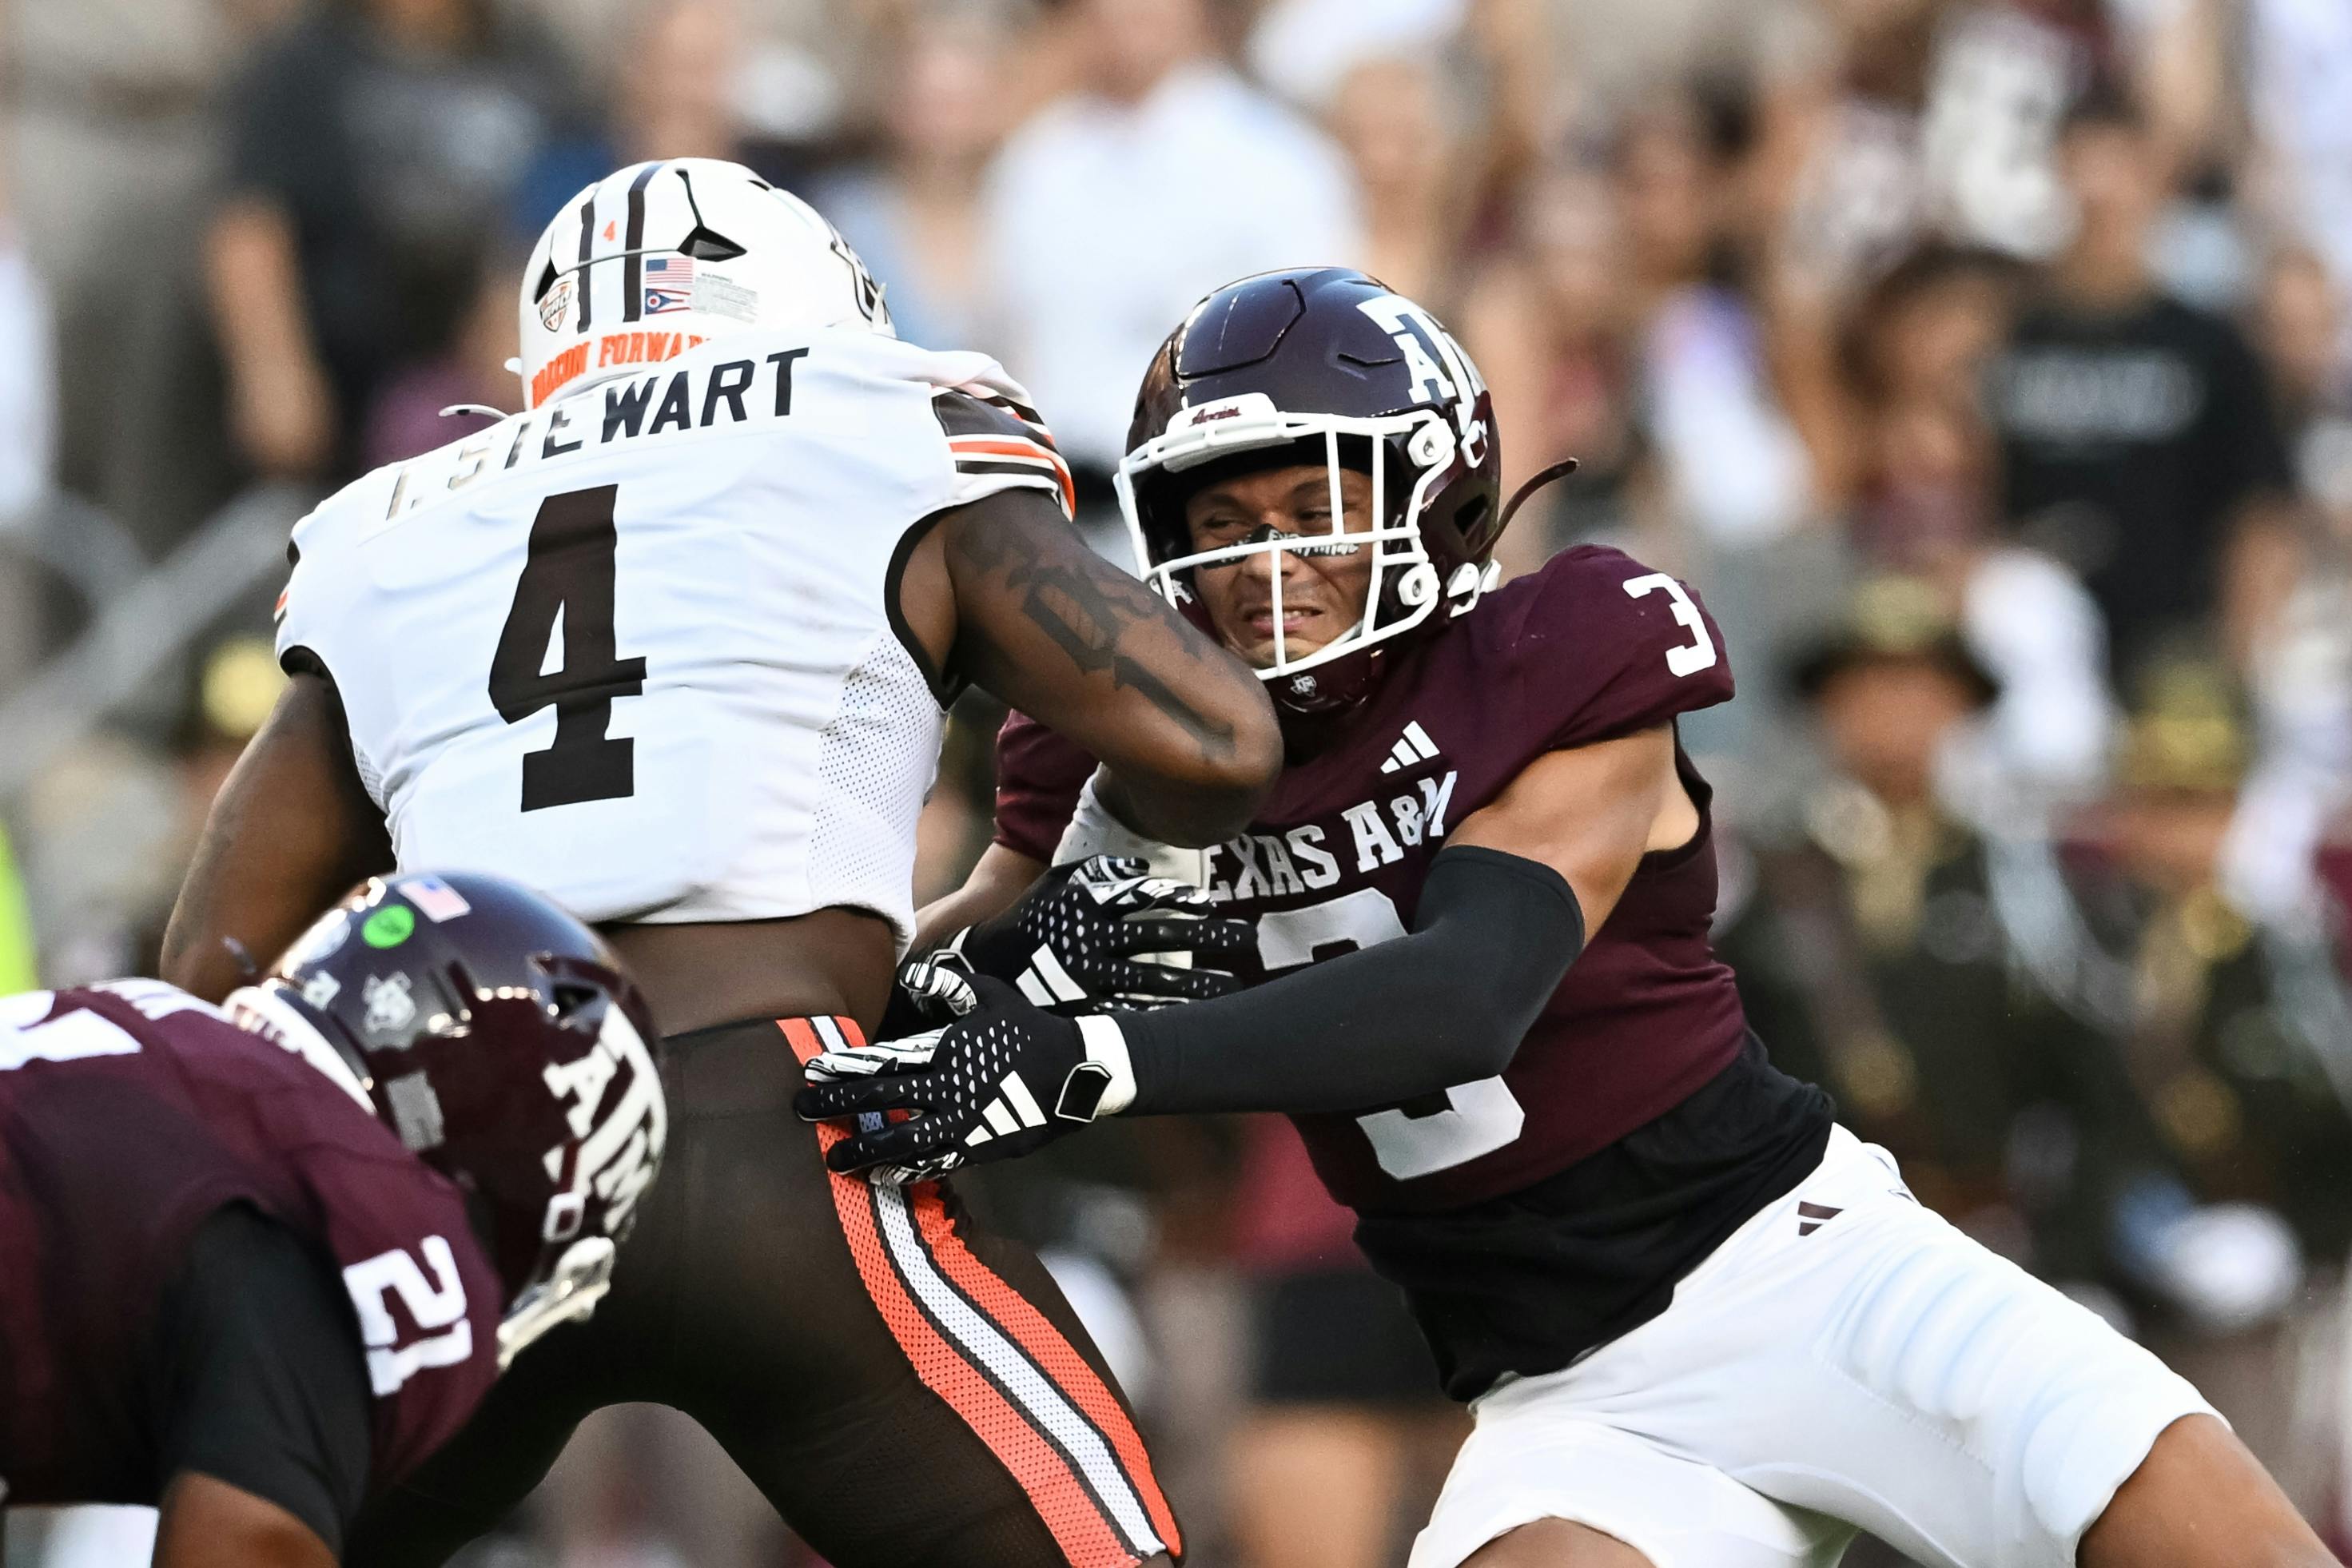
x=570, y=574
x=1422, y=1137
x=1697, y=653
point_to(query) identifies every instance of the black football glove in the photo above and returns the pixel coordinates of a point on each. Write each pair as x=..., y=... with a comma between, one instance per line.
x=1073, y=942
x=1003, y=1079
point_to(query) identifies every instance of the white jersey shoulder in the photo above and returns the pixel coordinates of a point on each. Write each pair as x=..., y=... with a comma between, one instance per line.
x=632, y=647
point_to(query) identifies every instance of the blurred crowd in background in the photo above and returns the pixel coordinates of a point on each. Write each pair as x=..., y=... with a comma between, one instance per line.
x=1987, y=364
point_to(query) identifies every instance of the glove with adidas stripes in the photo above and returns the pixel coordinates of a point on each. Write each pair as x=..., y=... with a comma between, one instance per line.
x=1004, y=1079
x=1078, y=941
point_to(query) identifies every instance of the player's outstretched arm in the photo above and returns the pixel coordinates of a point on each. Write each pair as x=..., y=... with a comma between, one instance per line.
x=1006, y=593
x=1502, y=916
x=290, y=832
x=1505, y=909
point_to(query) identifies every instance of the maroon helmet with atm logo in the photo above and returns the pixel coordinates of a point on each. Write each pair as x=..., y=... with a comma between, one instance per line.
x=1324, y=365
x=499, y=1038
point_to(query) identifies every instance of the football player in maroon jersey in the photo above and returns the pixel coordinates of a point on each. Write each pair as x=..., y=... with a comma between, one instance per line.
x=1697, y=1323
x=257, y=1261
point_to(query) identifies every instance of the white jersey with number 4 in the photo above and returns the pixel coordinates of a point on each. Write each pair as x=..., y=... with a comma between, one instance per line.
x=634, y=648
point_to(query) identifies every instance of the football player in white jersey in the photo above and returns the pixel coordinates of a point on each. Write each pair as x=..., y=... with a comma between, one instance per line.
x=673, y=645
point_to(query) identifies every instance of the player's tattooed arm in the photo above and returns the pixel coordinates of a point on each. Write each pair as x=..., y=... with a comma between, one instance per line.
x=1034, y=617
x=289, y=832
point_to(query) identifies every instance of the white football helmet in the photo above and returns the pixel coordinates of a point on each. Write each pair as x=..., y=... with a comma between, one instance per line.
x=659, y=257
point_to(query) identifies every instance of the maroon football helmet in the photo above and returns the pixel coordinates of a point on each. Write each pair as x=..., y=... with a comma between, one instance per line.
x=1324, y=365
x=500, y=1040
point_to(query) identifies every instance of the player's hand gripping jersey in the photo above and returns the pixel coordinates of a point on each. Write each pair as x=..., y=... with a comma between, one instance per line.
x=649, y=616
x=129, y=1114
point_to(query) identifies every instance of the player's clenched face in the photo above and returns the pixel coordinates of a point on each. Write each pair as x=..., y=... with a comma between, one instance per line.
x=1322, y=592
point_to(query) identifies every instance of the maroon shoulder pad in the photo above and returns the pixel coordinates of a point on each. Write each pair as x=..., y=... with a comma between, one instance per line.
x=1601, y=645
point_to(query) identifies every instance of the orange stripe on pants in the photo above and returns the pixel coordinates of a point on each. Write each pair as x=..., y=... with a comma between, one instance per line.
x=1069, y=1371
x=1068, y=1510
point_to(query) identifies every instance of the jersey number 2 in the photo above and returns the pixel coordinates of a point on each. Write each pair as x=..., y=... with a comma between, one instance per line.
x=570, y=574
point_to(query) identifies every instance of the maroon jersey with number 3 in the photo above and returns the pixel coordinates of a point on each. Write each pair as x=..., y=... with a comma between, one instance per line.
x=1594, y=647
x=128, y=1114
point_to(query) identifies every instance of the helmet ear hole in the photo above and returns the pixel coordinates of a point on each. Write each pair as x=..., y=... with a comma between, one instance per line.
x=1470, y=521
x=702, y=245
x=570, y=996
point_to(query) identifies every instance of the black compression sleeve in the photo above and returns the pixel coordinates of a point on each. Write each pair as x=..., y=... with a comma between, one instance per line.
x=1446, y=1004
x=261, y=1381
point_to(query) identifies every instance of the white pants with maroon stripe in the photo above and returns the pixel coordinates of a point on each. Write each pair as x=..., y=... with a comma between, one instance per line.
x=1844, y=1359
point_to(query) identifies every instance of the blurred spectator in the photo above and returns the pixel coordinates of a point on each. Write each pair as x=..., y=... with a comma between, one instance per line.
x=1918, y=341
x=2138, y=438
x=2240, y=1029
x=1916, y=351
x=2241, y=1037
x=407, y=417
x=2008, y=1115
x=1641, y=259
x=1394, y=120
x=2002, y=77
x=374, y=147
x=1553, y=325
x=915, y=216
x=1918, y=344
x=1353, y=1419
x=677, y=93
x=1615, y=56
x=1735, y=473
x=2046, y=739
x=28, y=435
x=1859, y=197
x=678, y=99
x=1114, y=209
x=2300, y=675
x=27, y=380
x=113, y=145
x=1306, y=49
x=2298, y=66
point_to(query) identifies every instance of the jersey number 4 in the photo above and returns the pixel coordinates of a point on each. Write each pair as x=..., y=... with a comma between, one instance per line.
x=570, y=575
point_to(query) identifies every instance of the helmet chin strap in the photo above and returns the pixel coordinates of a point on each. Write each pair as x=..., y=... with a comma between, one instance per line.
x=1542, y=477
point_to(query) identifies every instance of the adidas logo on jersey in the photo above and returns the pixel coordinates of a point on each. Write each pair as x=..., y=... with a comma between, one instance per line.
x=1812, y=1216
x=1013, y=1109
x=1412, y=748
